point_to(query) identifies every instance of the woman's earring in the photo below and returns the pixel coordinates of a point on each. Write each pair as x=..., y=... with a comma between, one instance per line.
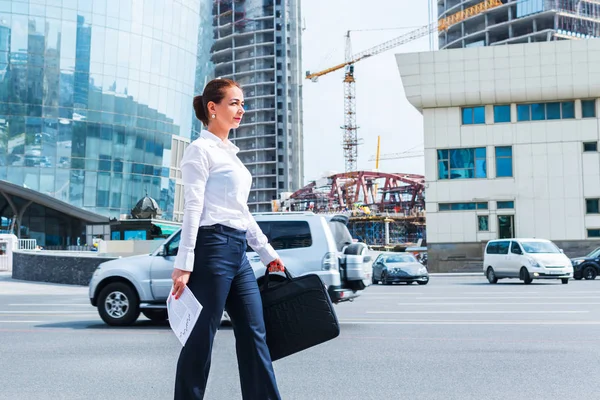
x=214, y=116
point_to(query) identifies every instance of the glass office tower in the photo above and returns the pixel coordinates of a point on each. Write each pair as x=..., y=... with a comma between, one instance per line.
x=92, y=92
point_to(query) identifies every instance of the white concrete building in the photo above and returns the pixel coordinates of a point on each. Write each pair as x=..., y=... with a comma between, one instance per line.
x=511, y=145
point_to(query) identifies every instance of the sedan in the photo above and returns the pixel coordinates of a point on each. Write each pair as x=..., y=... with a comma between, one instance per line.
x=404, y=267
x=587, y=267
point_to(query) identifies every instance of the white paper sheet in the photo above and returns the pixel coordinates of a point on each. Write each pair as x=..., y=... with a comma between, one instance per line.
x=183, y=313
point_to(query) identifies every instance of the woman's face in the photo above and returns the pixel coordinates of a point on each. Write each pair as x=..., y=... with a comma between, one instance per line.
x=228, y=113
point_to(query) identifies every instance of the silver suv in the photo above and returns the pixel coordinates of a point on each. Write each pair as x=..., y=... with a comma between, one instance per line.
x=307, y=243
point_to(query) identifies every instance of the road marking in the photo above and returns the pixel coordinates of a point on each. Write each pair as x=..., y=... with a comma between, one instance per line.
x=481, y=312
x=20, y=322
x=50, y=305
x=499, y=304
x=355, y=322
x=487, y=293
x=468, y=339
x=47, y=312
x=508, y=297
x=393, y=294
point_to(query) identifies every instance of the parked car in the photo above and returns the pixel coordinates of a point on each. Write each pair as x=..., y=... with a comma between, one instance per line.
x=307, y=243
x=587, y=267
x=525, y=259
x=399, y=267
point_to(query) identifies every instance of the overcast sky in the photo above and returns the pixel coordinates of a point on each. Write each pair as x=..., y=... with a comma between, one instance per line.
x=382, y=108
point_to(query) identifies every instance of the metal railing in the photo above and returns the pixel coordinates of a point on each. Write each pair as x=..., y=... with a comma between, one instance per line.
x=27, y=244
x=5, y=259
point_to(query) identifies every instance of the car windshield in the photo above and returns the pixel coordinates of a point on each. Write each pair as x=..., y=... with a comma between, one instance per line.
x=400, y=259
x=594, y=253
x=539, y=247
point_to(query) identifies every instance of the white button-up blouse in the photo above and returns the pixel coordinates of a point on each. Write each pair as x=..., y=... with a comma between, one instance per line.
x=216, y=187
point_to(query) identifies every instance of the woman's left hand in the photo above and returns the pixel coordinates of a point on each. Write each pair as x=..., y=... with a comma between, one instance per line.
x=276, y=266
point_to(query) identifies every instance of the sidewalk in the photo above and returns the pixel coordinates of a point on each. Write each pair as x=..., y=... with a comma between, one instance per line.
x=10, y=286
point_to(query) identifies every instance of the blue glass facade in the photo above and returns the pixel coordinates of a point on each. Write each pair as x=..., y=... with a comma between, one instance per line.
x=504, y=161
x=91, y=92
x=462, y=163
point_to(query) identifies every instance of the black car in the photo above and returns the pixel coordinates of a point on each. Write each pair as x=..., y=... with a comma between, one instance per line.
x=399, y=267
x=587, y=267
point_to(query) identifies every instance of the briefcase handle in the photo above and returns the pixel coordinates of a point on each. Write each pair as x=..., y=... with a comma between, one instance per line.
x=266, y=280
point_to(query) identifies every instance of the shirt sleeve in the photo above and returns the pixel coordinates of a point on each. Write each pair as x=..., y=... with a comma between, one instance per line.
x=195, y=169
x=258, y=241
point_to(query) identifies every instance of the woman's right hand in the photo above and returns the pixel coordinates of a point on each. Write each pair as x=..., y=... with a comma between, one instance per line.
x=276, y=266
x=180, y=280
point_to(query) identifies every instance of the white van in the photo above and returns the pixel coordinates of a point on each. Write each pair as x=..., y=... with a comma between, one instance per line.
x=525, y=259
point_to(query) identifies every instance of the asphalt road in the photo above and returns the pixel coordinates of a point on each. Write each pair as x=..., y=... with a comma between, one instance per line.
x=456, y=338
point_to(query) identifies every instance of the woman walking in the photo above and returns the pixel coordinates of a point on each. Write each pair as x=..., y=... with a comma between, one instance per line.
x=211, y=260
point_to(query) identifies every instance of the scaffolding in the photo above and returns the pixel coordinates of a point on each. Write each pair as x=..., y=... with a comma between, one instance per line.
x=388, y=232
x=384, y=209
x=578, y=19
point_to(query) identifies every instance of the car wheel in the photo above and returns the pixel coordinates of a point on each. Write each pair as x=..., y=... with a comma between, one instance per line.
x=384, y=278
x=156, y=315
x=590, y=273
x=118, y=304
x=374, y=281
x=565, y=281
x=491, y=275
x=524, y=276
x=423, y=282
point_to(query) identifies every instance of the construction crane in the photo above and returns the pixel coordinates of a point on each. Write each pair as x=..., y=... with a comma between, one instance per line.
x=350, y=138
x=395, y=156
x=410, y=153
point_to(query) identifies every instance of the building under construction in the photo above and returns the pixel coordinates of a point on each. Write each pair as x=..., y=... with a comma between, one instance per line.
x=384, y=209
x=258, y=44
x=518, y=21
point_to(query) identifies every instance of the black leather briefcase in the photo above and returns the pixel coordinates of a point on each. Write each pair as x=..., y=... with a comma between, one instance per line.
x=298, y=314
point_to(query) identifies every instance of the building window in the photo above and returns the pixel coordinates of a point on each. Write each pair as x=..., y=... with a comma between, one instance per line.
x=568, y=109
x=593, y=233
x=553, y=111
x=502, y=113
x=590, y=146
x=462, y=206
x=546, y=111
x=588, y=108
x=523, y=112
x=592, y=206
x=504, y=205
x=473, y=115
x=504, y=167
x=483, y=223
x=462, y=163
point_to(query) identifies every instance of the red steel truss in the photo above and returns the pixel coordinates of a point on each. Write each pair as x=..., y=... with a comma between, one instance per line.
x=378, y=190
